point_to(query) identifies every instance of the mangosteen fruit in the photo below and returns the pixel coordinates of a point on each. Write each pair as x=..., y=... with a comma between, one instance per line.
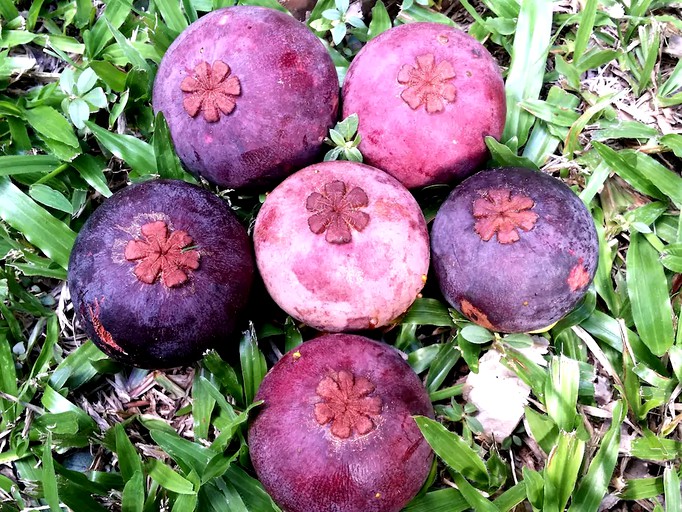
x=514, y=249
x=342, y=246
x=159, y=273
x=426, y=95
x=335, y=431
x=249, y=94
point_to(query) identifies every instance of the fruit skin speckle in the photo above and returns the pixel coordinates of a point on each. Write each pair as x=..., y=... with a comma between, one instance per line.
x=527, y=284
x=152, y=325
x=406, y=129
x=287, y=97
x=304, y=466
x=363, y=283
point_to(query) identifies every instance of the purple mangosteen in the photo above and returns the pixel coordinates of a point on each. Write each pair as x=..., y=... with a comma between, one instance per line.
x=335, y=431
x=249, y=94
x=514, y=249
x=426, y=95
x=159, y=273
x=342, y=246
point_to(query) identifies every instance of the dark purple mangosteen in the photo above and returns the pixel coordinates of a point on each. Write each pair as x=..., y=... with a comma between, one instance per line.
x=159, y=273
x=336, y=432
x=249, y=94
x=514, y=249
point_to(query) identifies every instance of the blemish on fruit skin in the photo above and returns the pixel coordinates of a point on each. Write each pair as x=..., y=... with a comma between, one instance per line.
x=101, y=332
x=500, y=212
x=475, y=314
x=424, y=277
x=442, y=39
x=377, y=495
x=578, y=277
x=296, y=355
x=346, y=405
x=336, y=212
x=427, y=83
x=208, y=139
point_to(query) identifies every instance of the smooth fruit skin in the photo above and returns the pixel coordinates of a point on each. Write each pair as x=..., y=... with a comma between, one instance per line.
x=363, y=283
x=538, y=262
x=442, y=139
x=287, y=96
x=154, y=325
x=304, y=466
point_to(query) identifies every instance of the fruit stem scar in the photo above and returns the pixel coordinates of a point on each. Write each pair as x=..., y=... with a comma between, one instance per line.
x=211, y=90
x=346, y=404
x=165, y=253
x=427, y=83
x=337, y=212
x=499, y=212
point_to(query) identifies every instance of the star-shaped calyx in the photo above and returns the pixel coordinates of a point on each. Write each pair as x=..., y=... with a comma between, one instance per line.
x=210, y=90
x=162, y=254
x=346, y=404
x=498, y=211
x=427, y=84
x=336, y=212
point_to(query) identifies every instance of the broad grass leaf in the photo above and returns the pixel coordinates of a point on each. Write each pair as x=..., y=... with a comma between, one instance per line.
x=651, y=447
x=585, y=26
x=594, y=485
x=129, y=461
x=453, y=450
x=447, y=357
x=169, y=479
x=138, y=154
x=671, y=486
x=561, y=471
x=428, y=312
x=187, y=455
x=49, y=479
x=442, y=500
x=511, y=498
x=202, y=408
x=542, y=429
x=40, y=228
x=91, y=169
x=50, y=197
x=648, y=292
x=172, y=14
x=532, y=42
x=253, y=363
x=381, y=21
x=132, y=499
x=473, y=496
x=52, y=125
x=250, y=490
x=27, y=164
x=561, y=392
x=167, y=161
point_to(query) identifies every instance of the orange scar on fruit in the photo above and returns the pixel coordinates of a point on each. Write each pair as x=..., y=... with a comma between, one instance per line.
x=102, y=333
x=578, y=277
x=475, y=314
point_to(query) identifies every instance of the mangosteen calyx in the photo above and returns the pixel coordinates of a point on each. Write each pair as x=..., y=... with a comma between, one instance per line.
x=162, y=253
x=336, y=212
x=210, y=90
x=346, y=404
x=427, y=84
x=500, y=212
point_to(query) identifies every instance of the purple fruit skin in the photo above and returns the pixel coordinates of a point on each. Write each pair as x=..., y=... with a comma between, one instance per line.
x=304, y=467
x=157, y=326
x=521, y=286
x=363, y=284
x=417, y=147
x=288, y=101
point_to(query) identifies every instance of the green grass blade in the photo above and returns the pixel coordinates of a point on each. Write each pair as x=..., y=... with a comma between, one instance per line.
x=442, y=500
x=648, y=292
x=138, y=154
x=169, y=479
x=40, y=228
x=129, y=461
x=526, y=73
x=473, y=497
x=561, y=392
x=172, y=14
x=453, y=450
x=585, y=26
x=27, y=164
x=593, y=486
x=253, y=363
x=671, y=485
x=49, y=478
x=561, y=471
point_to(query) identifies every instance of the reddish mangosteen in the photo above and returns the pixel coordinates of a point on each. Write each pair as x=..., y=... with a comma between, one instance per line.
x=249, y=94
x=342, y=246
x=514, y=249
x=427, y=95
x=159, y=273
x=335, y=431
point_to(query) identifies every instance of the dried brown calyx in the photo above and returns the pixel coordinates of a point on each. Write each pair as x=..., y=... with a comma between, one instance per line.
x=162, y=253
x=210, y=90
x=427, y=84
x=336, y=212
x=346, y=404
x=499, y=212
